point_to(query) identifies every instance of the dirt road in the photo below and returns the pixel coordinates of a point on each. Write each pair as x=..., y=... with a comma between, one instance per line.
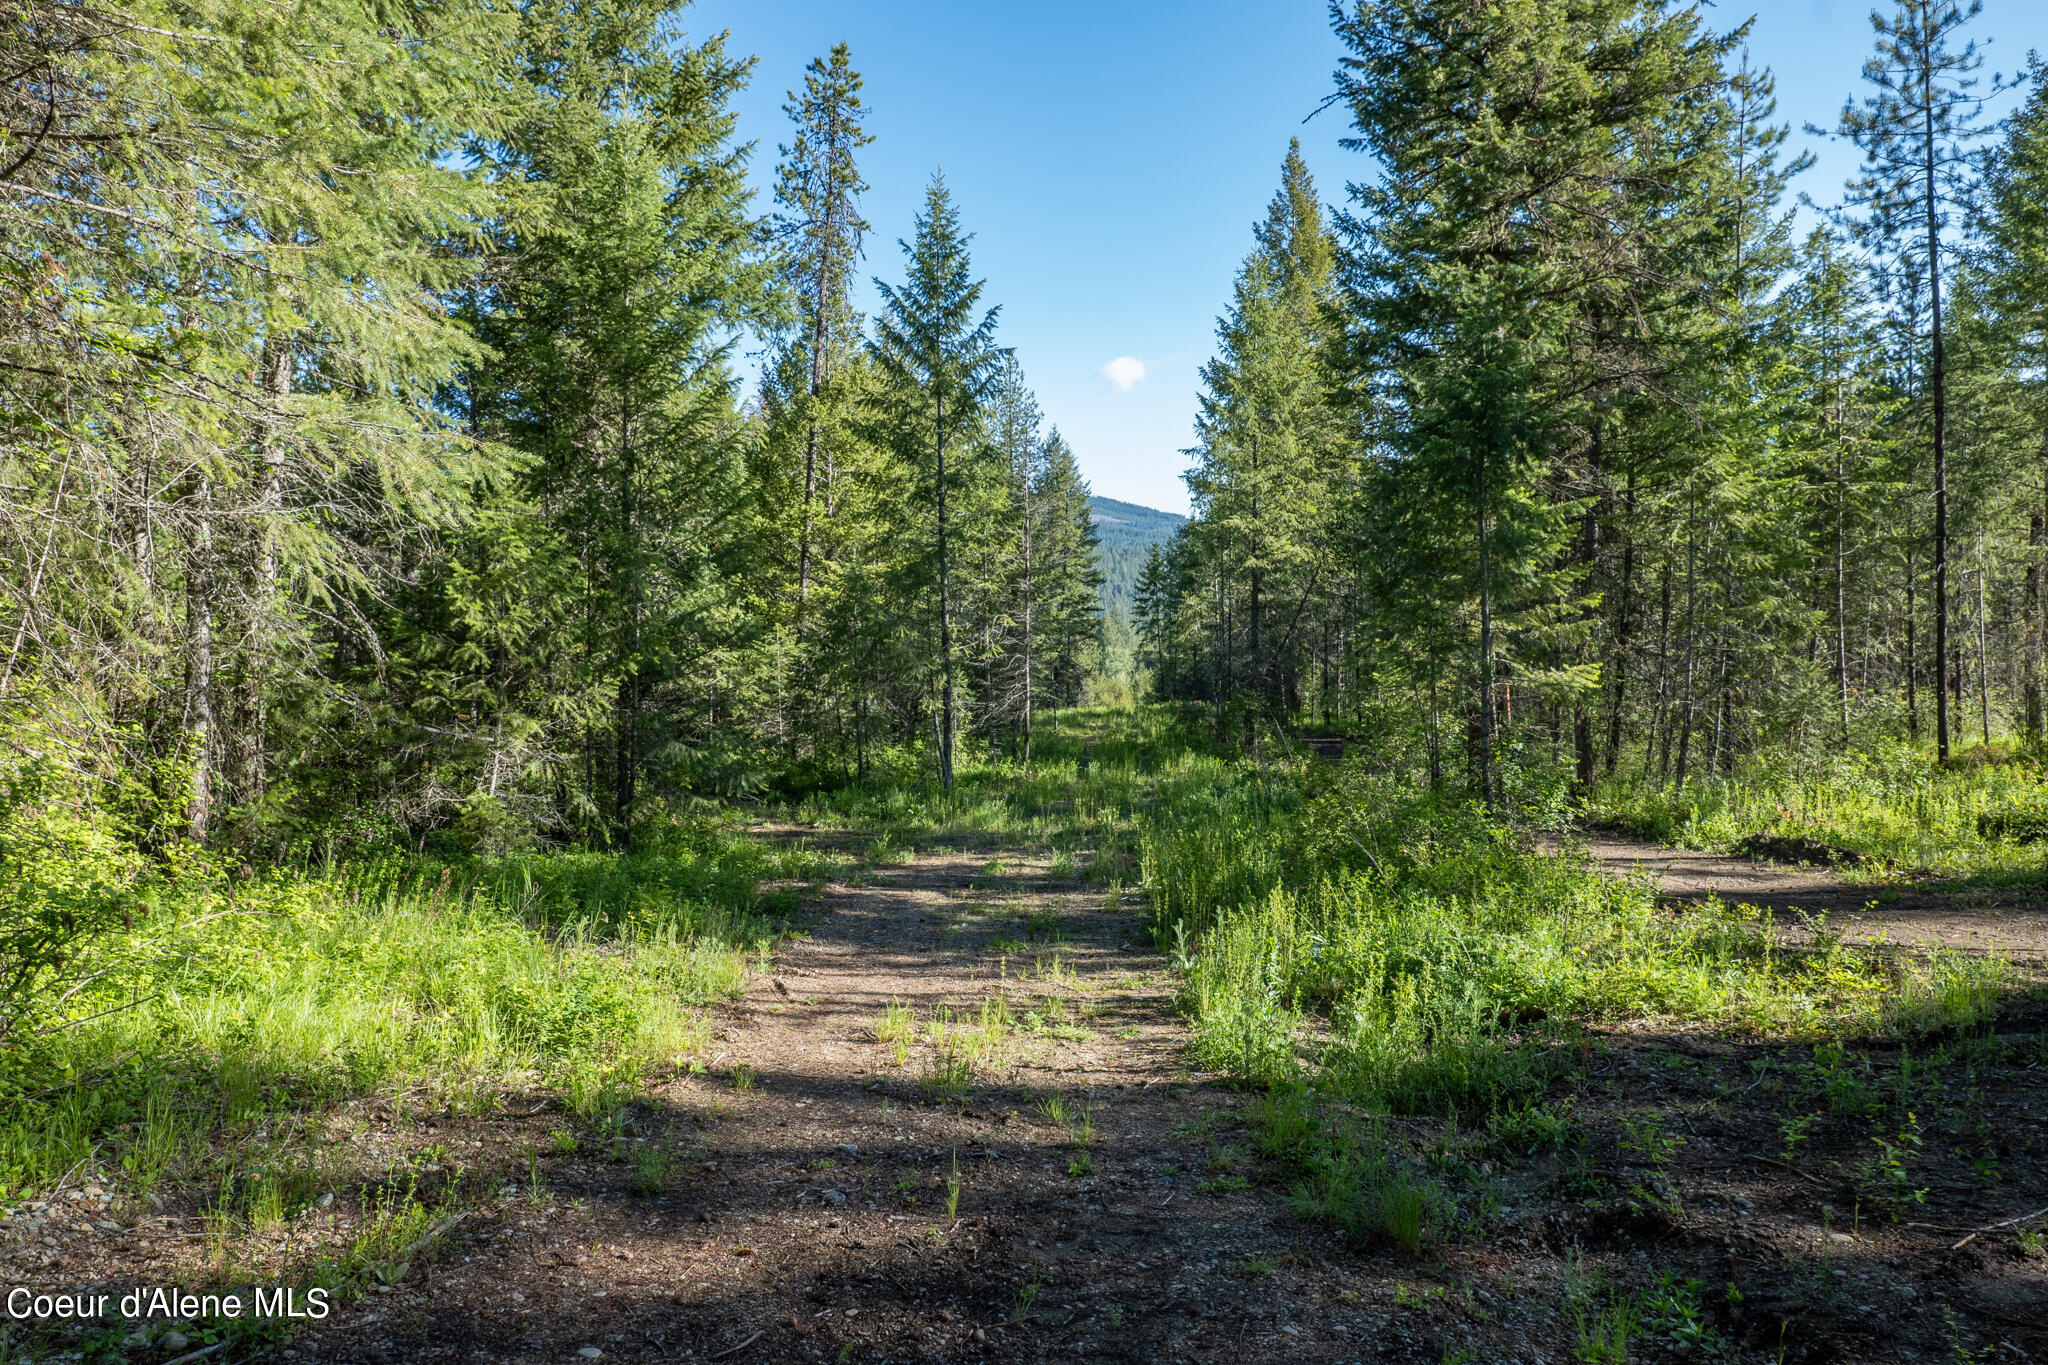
x=789, y=1201
x=806, y=1218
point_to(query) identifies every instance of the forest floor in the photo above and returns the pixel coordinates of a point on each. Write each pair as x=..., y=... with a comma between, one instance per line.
x=969, y=1026
x=1918, y=912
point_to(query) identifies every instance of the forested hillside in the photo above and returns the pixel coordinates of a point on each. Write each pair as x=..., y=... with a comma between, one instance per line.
x=1124, y=534
x=499, y=812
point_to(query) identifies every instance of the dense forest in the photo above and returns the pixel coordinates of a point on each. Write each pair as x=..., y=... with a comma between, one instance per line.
x=374, y=452
x=1125, y=534
x=1559, y=435
x=551, y=757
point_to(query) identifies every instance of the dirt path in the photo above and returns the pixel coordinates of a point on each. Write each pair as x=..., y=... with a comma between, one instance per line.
x=788, y=1202
x=1965, y=919
x=807, y=1218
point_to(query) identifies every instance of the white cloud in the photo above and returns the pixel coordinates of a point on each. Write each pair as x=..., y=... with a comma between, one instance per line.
x=1123, y=372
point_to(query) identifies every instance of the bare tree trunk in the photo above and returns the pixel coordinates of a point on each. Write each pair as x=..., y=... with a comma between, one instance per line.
x=1221, y=655
x=1436, y=742
x=1983, y=666
x=1485, y=644
x=245, y=740
x=2031, y=686
x=945, y=616
x=197, y=723
x=1623, y=621
x=1691, y=652
x=1663, y=712
x=1912, y=639
x=1589, y=555
x=1939, y=393
x=626, y=772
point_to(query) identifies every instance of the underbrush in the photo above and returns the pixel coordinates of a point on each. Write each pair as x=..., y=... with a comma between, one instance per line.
x=1406, y=951
x=1985, y=813
x=226, y=997
x=1080, y=797
x=1352, y=944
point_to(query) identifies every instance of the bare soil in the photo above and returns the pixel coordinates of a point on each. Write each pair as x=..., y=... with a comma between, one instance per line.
x=805, y=1219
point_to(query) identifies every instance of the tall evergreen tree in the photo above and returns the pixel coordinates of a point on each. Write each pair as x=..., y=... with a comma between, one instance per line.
x=1915, y=132
x=1262, y=464
x=243, y=221
x=633, y=266
x=1066, y=581
x=940, y=361
x=819, y=187
x=2015, y=285
x=1502, y=155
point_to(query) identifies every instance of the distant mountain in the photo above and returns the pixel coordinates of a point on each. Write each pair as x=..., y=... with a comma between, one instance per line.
x=1125, y=532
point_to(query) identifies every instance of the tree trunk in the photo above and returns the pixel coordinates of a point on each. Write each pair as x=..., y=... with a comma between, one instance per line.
x=625, y=775
x=1938, y=390
x=1663, y=711
x=1841, y=589
x=1589, y=555
x=245, y=746
x=1622, y=625
x=1912, y=642
x=811, y=437
x=197, y=722
x=945, y=615
x=1691, y=653
x=2031, y=685
x=1485, y=645
x=1983, y=663
x=1256, y=663
x=1030, y=614
x=1222, y=654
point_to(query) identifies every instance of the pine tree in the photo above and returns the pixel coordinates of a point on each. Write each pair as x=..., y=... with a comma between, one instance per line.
x=2015, y=286
x=255, y=217
x=1014, y=423
x=1839, y=407
x=939, y=361
x=819, y=185
x=1915, y=133
x=1502, y=155
x=635, y=254
x=1067, y=584
x=1264, y=459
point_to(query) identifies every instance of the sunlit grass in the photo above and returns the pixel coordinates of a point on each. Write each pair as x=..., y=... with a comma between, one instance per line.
x=297, y=989
x=1895, y=807
x=1395, y=946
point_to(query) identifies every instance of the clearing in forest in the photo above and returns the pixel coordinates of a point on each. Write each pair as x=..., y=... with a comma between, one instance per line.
x=1354, y=1077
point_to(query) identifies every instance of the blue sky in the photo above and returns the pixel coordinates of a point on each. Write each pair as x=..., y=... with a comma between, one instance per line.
x=1111, y=158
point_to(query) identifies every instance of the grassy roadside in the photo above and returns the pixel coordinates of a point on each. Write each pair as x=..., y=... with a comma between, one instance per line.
x=1418, y=991
x=233, y=1049
x=1894, y=809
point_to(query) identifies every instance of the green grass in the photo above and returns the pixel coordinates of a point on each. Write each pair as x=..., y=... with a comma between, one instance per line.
x=294, y=989
x=1348, y=942
x=1983, y=815
x=1356, y=935
x=1400, y=949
